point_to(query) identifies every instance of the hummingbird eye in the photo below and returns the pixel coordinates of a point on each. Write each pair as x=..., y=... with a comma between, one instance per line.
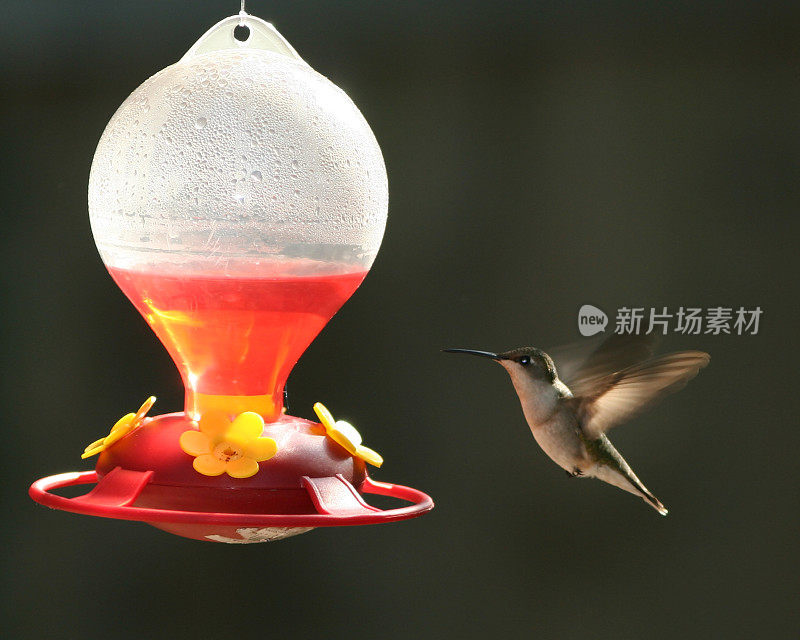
x=524, y=361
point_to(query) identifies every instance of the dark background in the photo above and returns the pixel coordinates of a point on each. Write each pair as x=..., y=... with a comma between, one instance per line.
x=541, y=155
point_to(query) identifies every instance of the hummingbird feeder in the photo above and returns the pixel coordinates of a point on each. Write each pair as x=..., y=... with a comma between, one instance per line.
x=238, y=198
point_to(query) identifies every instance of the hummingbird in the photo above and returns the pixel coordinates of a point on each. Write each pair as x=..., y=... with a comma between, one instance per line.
x=569, y=414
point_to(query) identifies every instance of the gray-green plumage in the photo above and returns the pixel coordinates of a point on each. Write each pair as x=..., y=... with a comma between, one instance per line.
x=569, y=417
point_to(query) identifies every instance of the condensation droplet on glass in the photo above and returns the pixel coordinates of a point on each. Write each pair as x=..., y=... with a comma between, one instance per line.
x=256, y=175
x=200, y=123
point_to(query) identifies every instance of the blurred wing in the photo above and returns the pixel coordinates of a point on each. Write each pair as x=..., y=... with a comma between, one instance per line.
x=569, y=358
x=622, y=395
x=584, y=365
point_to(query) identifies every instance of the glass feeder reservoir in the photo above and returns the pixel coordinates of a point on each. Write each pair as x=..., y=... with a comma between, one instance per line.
x=238, y=198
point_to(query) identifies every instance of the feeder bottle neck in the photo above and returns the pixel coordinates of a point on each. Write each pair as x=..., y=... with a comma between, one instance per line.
x=268, y=406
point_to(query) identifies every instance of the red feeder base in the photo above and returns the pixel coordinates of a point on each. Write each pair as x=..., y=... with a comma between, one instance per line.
x=310, y=483
x=336, y=501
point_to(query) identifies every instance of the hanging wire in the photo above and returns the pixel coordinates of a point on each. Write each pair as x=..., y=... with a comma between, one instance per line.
x=242, y=14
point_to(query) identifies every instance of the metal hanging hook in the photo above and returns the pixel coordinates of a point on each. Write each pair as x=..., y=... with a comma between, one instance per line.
x=242, y=14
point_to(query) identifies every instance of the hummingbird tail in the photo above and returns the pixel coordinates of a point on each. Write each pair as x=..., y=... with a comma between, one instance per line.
x=621, y=475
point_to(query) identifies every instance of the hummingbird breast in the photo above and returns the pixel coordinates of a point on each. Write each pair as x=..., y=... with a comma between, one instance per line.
x=553, y=424
x=559, y=437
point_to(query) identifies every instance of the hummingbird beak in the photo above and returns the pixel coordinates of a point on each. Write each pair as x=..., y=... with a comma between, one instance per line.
x=483, y=354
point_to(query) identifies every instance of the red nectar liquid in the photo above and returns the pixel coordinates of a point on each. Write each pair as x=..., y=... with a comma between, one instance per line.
x=236, y=336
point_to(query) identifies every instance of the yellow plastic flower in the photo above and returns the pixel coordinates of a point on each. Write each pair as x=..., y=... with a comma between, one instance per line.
x=345, y=434
x=123, y=427
x=222, y=446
